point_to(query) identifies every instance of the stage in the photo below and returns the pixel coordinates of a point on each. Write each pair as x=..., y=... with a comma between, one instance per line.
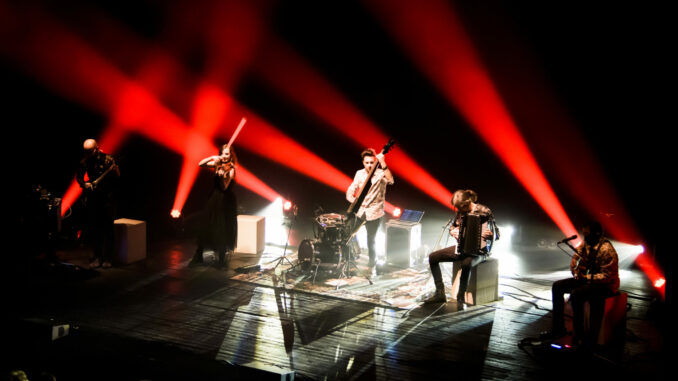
x=553, y=114
x=163, y=319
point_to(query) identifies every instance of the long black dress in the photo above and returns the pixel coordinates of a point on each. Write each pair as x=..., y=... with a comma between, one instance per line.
x=220, y=227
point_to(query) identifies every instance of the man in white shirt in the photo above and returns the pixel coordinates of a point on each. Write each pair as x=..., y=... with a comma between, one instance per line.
x=372, y=207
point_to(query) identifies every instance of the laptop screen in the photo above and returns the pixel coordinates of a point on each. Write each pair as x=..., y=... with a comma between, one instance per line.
x=411, y=215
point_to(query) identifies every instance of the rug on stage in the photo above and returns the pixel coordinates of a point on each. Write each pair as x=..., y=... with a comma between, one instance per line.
x=391, y=287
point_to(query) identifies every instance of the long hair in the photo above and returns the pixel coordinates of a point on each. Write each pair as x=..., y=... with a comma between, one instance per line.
x=234, y=157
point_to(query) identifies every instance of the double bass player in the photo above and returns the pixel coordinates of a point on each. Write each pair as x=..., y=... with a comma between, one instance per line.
x=372, y=207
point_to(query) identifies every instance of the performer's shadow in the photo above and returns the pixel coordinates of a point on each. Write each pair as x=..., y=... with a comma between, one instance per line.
x=436, y=309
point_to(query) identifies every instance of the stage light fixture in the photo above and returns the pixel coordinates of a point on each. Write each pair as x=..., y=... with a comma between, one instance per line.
x=175, y=213
x=503, y=244
x=289, y=209
x=397, y=212
x=287, y=205
x=648, y=265
x=276, y=234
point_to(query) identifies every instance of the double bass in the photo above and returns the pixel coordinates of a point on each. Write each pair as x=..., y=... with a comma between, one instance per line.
x=355, y=222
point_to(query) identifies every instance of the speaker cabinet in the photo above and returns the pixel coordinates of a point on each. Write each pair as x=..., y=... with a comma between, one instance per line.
x=130, y=240
x=251, y=234
x=402, y=242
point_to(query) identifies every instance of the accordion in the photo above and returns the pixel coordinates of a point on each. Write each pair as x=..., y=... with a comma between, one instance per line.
x=470, y=234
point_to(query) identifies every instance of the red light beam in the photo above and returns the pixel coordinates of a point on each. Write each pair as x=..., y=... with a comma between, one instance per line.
x=63, y=62
x=291, y=75
x=436, y=41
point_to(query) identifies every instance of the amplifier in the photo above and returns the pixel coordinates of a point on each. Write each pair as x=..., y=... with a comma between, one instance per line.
x=403, y=240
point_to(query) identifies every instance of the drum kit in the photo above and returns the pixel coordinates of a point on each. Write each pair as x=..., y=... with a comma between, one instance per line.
x=334, y=248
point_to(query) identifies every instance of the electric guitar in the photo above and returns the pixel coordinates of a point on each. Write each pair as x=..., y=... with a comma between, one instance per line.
x=96, y=182
x=89, y=191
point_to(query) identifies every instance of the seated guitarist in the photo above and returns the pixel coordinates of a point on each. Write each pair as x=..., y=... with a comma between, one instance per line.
x=99, y=191
x=372, y=208
x=595, y=276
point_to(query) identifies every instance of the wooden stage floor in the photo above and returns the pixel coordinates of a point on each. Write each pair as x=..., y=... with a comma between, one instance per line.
x=161, y=319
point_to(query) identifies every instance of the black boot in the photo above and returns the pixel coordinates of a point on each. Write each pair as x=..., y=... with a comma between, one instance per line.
x=438, y=296
x=461, y=300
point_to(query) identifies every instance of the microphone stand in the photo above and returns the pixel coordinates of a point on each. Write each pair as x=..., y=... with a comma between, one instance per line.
x=283, y=257
x=567, y=242
x=570, y=246
x=576, y=267
x=445, y=227
x=437, y=245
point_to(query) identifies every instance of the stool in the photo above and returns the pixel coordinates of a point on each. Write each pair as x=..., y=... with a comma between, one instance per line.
x=251, y=234
x=613, y=321
x=130, y=240
x=483, y=284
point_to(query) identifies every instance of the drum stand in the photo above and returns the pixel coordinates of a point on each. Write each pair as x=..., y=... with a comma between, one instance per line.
x=346, y=266
x=317, y=264
x=346, y=269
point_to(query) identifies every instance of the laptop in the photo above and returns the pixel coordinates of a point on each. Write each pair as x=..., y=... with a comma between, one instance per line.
x=410, y=217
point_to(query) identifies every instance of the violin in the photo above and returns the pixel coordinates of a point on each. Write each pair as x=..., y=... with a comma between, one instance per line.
x=225, y=165
x=222, y=168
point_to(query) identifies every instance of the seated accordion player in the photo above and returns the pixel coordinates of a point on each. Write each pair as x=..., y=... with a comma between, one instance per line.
x=471, y=227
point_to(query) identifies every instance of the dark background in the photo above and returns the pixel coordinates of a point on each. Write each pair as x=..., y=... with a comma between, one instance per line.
x=606, y=63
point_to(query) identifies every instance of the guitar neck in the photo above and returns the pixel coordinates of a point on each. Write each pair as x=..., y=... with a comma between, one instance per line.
x=98, y=180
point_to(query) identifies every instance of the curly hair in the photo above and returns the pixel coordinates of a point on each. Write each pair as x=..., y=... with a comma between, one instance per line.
x=463, y=198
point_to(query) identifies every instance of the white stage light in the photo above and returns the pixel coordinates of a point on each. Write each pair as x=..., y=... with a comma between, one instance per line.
x=627, y=253
x=509, y=263
x=276, y=231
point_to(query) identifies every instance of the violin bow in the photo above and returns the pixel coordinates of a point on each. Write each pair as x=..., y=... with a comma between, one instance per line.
x=237, y=131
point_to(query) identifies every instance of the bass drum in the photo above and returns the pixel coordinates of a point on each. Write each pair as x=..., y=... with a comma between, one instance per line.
x=306, y=254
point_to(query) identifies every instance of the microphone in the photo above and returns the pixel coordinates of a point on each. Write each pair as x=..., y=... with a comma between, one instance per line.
x=570, y=238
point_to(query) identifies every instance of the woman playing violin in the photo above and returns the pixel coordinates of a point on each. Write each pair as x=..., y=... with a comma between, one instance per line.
x=220, y=223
